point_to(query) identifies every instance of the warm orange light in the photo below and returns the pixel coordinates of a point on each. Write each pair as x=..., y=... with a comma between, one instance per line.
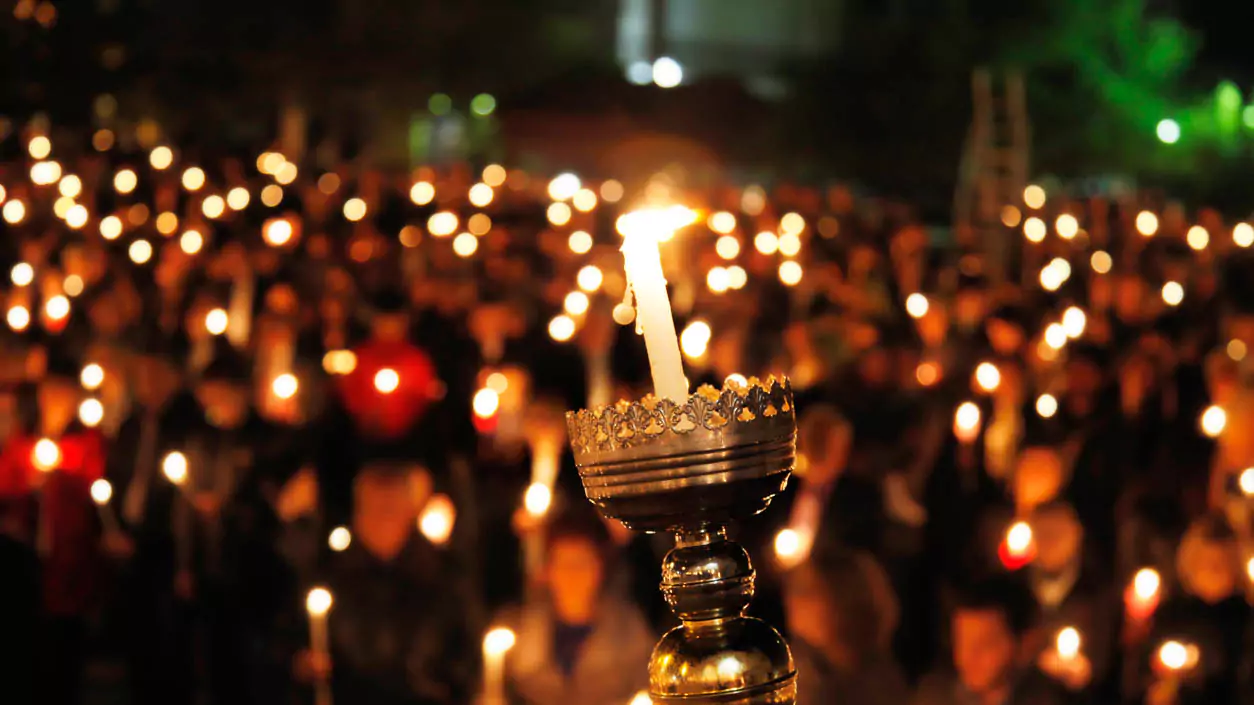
x=161, y=158
x=193, y=178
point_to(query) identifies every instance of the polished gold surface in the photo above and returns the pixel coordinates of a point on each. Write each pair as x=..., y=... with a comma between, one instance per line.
x=691, y=469
x=739, y=660
x=660, y=466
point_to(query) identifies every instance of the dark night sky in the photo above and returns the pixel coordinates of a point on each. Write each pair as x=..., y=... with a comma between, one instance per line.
x=1224, y=28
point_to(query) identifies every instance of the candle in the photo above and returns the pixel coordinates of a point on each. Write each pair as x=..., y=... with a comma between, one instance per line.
x=174, y=467
x=967, y=422
x=1142, y=596
x=101, y=493
x=436, y=521
x=641, y=698
x=1018, y=549
x=967, y=429
x=496, y=644
x=642, y=231
x=1175, y=657
x=1068, y=643
x=536, y=502
x=340, y=539
x=318, y=603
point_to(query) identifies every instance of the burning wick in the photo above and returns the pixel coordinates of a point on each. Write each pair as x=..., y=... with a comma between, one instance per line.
x=101, y=493
x=538, y=499
x=174, y=467
x=436, y=522
x=1068, y=643
x=340, y=539
x=1143, y=594
x=46, y=455
x=496, y=644
x=1018, y=549
x=318, y=604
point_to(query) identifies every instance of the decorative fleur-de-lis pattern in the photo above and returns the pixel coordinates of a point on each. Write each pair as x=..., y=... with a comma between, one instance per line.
x=631, y=424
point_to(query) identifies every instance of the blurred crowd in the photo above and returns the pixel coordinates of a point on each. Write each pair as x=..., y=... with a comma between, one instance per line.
x=279, y=432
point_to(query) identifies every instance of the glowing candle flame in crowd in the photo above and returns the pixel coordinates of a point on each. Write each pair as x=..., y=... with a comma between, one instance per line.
x=1018, y=548
x=92, y=376
x=1246, y=482
x=1176, y=656
x=91, y=412
x=967, y=422
x=1046, y=406
x=216, y=321
x=589, y=278
x=1173, y=293
x=18, y=318
x=695, y=340
x=101, y=491
x=537, y=499
x=496, y=643
x=562, y=328
x=1143, y=594
x=340, y=539
x=22, y=274
x=1214, y=421
x=46, y=456
x=438, y=517
x=285, y=386
x=174, y=467
x=318, y=603
x=387, y=380
x=791, y=547
x=486, y=403
x=1068, y=642
x=917, y=305
x=987, y=376
x=1074, y=322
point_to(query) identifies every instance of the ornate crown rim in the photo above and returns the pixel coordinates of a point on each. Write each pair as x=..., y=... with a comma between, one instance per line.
x=631, y=428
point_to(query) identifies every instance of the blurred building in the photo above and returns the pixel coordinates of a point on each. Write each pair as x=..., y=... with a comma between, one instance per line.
x=746, y=39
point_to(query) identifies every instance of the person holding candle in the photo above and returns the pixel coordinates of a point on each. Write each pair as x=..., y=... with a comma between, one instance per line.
x=397, y=634
x=146, y=616
x=988, y=625
x=235, y=464
x=68, y=527
x=1070, y=592
x=1211, y=613
x=394, y=381
x=574, y=638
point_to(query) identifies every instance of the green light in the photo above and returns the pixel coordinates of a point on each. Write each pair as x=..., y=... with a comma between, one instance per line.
x=1247, y=116
x=440, y=104
x=483, y=104
x=1228, y=96
x=1168, y=131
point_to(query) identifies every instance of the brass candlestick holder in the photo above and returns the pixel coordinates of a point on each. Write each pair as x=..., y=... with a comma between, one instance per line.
x=691, y=469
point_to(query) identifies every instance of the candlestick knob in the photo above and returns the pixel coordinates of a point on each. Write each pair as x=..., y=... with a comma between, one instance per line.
x=691, y=469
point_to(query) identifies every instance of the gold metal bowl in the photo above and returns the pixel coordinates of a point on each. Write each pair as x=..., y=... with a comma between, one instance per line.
x=659, y=466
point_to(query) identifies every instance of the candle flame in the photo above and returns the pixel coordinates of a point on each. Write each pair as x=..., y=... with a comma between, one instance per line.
x=538, y=499
x=101, y=491
x=498, y=641
x=319, y=601
x=1068, y=642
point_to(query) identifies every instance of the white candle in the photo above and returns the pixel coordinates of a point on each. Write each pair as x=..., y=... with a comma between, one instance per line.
x=643, y=263
x=318, y=603
x=536, y=502
x=600, y=384
x=496, y=644
x=101, y=493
